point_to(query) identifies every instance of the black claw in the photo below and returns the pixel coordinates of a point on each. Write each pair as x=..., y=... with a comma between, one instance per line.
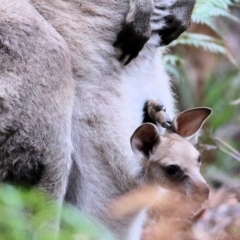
x=122, y=56
x=131, y=57
x=128, y=61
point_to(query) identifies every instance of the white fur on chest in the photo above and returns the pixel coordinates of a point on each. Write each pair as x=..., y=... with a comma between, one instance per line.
x=145, y=81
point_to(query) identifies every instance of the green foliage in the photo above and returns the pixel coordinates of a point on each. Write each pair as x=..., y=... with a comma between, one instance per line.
x=205, y=12
x=197, y=40
x=220, y=91
x=225, y=89
x=28, y=214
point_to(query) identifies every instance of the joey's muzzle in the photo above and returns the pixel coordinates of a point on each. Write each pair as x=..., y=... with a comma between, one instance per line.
x=202, y=193
x=198, y=187
x=167, y=122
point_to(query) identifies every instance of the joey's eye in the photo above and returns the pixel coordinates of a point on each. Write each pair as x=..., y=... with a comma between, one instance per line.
x=199, y=159
x=172, y=170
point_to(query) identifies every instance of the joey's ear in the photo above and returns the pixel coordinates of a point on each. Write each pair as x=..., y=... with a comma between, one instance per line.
x=188, y=123
x=144, y=139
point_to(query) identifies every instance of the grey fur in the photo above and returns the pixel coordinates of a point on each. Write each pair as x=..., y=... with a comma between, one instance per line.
x=36, y=97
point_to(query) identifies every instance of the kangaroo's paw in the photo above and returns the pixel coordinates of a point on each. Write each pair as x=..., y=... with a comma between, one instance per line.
x=172, y=30
x=171, y=18
x=132, y=39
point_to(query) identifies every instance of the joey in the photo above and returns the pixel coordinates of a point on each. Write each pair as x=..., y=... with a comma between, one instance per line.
x=170, y=159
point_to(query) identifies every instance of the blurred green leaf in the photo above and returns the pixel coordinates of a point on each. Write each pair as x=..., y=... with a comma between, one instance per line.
x=220, y=90
x=28, y=214
x=218, y=93
x=208, y=43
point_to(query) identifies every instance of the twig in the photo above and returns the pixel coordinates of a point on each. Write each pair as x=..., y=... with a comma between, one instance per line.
x=229, y=151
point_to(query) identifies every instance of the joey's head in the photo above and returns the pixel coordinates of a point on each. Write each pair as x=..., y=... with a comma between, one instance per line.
x=170, y=159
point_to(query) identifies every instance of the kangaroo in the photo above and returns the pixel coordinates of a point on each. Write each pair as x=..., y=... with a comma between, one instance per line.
x=168, y=159
x=138, y=27
x=64, y=97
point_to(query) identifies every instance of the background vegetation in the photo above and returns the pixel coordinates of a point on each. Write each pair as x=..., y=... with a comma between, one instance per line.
x=24, y=215
x=204, y=63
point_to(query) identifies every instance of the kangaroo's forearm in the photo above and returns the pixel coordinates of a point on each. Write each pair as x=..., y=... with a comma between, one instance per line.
x=140, y=10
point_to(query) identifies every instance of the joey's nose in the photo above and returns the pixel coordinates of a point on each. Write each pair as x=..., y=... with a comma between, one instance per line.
x=206, y=192
x=203, y=193
x=201, y=188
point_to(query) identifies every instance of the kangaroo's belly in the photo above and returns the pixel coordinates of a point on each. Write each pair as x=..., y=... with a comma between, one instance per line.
x=109, y=98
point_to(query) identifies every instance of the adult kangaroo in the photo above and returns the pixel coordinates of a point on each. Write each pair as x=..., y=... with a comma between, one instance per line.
x=62, y=84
